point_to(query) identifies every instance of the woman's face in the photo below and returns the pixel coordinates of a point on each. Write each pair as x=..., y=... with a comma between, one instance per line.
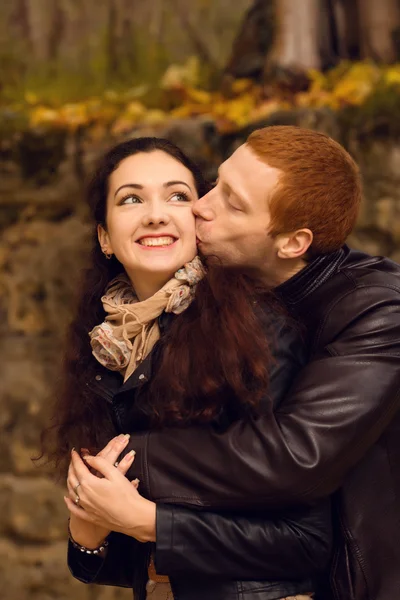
x=150, y=226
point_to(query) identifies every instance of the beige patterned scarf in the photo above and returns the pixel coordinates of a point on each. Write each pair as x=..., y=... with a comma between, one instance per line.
x=130, y=329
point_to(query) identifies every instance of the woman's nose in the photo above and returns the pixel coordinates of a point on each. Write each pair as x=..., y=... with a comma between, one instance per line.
x=156, y=215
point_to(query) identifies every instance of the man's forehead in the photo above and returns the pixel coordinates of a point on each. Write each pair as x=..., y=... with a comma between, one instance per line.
x=243, y=161
x=231, y=164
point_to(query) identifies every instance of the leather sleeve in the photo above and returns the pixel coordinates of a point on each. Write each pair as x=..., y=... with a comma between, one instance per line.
x=338, y=406
x=295, y=546
x=115, y=568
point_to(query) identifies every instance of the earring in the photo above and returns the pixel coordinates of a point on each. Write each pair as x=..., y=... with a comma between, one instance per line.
x=108, y=256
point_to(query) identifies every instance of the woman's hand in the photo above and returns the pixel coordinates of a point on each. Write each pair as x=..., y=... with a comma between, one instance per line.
x=111, y=502
x=84, y=533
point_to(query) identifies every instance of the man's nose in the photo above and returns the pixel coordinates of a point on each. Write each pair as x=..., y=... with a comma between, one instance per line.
x=156, y=214
x=202, y=208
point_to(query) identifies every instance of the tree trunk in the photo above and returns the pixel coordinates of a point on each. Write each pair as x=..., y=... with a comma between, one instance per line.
x=20, y=19
x=347, y=38
x=39, y=24
x=253, y=42
x=379, y=27
x=112, y=40
x=200, y=45
x=297, y=40
x=56, y=32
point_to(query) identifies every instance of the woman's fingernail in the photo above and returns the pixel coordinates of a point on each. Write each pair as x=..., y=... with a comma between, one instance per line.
x=131, y=454
x=127, y=436
x=137, y=481
x=73, y=450
x=88, y=457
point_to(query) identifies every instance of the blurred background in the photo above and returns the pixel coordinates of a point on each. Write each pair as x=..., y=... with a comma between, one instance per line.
x=77, y=76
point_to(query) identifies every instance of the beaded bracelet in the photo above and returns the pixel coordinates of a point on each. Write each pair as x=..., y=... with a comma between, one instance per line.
x=75, y=544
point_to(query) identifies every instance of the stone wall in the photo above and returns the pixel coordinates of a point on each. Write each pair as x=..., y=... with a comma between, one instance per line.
x=43, y=244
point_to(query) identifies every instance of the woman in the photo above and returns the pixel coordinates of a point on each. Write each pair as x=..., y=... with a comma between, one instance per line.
x=165, y=356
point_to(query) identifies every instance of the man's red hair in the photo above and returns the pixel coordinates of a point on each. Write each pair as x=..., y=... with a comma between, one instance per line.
x=320, y=188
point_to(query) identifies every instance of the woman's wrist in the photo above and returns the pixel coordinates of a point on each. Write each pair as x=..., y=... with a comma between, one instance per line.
x=150, y=522
x=144, y=529
x=84, y=538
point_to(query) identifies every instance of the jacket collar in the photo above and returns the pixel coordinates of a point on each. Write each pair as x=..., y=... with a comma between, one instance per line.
x=108, y=384
x=305, y=282
x=143, y=372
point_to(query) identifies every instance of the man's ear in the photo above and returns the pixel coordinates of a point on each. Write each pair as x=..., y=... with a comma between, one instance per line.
x=294, y=245
x=104, y=240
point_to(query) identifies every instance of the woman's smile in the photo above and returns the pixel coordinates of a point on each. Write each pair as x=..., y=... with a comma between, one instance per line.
x=160, y=241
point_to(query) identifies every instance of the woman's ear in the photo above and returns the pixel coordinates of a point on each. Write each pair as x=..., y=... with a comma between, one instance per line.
x=294, y=245
x=104, y=240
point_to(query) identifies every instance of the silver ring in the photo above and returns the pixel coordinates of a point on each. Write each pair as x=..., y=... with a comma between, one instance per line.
x=116, y=464
x=77, y=499
x=76, y=488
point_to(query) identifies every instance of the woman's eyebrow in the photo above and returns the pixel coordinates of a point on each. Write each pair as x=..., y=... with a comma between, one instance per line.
x=136, y=186
x=170, y=183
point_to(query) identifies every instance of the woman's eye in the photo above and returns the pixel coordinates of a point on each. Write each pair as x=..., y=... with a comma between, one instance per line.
x=180, y=197
x=130, y=200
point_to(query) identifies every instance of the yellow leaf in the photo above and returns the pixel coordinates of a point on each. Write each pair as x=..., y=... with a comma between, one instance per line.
x=31, y=98
x=111, y=96
x=268, y=108
x=134, y=110
x=136, y=92
x=189, y=110
x=104, y=113
x=121, y=126
x=178, y=76
x=239, y=86
x=198, y=96
x=313, y=99
x=74, y=115
x=154, y=117
x=42, y=115
x=318, y=80
x=238, y=110
x=392, y=75
x=357, y=84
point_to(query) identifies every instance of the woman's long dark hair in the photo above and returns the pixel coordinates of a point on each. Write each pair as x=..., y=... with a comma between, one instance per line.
x=216, y=344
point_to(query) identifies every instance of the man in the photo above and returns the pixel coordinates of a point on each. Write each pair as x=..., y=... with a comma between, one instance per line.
x=283, y=207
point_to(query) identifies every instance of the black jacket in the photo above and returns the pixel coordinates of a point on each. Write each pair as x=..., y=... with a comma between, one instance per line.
x=260, y=554
x=338, y=427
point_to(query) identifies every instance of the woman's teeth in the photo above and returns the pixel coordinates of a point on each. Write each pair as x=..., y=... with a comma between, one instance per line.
x=159, y=241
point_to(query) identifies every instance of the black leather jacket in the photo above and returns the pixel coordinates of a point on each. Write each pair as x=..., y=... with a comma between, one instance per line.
x=263, y=555
x=338, y=427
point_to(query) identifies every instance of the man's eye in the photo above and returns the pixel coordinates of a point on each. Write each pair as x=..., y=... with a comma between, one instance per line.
x=130, y=200
x=235, y=208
